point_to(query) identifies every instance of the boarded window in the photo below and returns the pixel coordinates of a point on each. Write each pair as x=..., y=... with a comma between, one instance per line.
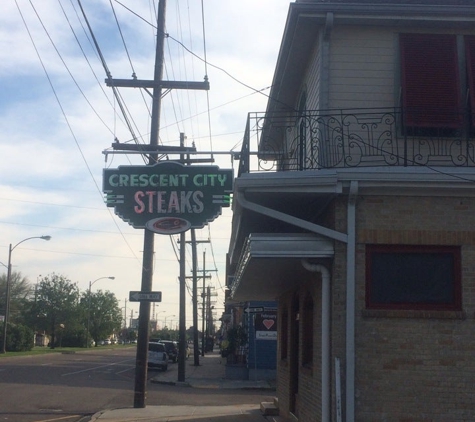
x=430, y=81
x=413, y=277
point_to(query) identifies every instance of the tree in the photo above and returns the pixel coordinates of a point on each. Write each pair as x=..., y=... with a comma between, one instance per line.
x=103, y=314
x=20, y=292
x=56, y=304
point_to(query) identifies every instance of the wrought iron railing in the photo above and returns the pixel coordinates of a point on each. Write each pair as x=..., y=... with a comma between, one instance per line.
x=295, y=141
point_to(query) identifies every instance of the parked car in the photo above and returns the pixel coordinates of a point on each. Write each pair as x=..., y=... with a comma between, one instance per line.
x=157, y=356
x=172, y=349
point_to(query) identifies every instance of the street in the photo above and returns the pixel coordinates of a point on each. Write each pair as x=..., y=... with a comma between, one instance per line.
x=72, y=387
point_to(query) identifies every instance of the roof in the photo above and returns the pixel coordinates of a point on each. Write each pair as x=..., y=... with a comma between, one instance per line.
x=398, y=2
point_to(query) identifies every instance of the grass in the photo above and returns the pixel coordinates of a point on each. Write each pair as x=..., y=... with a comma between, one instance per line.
x=46, y=350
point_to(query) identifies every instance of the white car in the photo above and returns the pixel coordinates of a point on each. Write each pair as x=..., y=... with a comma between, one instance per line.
x=157, y=356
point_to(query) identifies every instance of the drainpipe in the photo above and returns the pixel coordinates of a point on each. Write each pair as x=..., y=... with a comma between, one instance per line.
x=326, y=364
x=350, y=302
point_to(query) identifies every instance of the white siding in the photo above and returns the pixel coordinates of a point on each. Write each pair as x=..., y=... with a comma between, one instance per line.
x=362, y=65
x=312, y=79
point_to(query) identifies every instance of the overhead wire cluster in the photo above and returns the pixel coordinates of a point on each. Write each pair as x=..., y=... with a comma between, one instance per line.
x=185, y=105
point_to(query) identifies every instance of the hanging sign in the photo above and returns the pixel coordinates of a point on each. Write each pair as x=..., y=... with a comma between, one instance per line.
x=265, y=325
x=167, y=197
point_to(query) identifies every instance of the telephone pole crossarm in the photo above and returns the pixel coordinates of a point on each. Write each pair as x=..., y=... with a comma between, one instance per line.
x=198, y=277
x=164, y=149
x=144, y=83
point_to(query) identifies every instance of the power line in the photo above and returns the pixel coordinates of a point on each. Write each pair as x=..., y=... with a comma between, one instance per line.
x=108, y=74
x=64, y=113
x=67, y=68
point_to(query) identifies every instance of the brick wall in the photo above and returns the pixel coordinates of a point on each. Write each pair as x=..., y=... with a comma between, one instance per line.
x=308, y=402
x=416, y=366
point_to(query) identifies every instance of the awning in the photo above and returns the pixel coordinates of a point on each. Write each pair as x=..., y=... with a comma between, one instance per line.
x=271, y=263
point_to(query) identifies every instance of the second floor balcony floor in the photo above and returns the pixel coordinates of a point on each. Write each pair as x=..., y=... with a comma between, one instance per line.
x=309, y=140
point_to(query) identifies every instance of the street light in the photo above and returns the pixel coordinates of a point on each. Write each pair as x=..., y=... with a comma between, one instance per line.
x=7, y=294
x=168, y=316
x=155, y=317
x=89, y=306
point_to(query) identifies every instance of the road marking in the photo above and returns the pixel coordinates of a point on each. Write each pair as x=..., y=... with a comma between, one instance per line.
x=125, y=370
x=95, y=368
x=58, y=419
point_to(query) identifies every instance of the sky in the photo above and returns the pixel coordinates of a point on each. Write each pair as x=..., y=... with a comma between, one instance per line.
x=58, y=117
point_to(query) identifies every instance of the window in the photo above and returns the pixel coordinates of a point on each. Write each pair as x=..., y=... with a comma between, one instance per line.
x=284, y=335
x=307, y=332
x=470, y=57
x=430, y=81
x=413, y=277
x=302, y=143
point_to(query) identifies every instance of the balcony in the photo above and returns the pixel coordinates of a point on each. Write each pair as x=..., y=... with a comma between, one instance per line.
x=312, y=140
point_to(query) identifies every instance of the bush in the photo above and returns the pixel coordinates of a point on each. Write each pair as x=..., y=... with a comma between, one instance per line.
x=71, y=338
x=20, y=338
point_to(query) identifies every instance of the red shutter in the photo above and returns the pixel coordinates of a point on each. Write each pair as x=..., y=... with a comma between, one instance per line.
x=430, y=81
x=470, y=55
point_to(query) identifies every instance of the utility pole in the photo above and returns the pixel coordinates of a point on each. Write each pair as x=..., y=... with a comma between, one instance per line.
x=196, y=346
x=196, y=351
x=208, y=310
x=125, y=313
x=157, y=84
x=148, y=244
x=203, y=309
x=182, y=313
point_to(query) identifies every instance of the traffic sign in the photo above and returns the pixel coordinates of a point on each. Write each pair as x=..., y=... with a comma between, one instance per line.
x=253, y=310
x=145, y=296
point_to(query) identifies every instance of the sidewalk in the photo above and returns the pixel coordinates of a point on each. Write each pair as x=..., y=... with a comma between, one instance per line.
x=210, y=374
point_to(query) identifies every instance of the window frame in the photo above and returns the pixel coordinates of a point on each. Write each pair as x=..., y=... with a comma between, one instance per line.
x=455, y=251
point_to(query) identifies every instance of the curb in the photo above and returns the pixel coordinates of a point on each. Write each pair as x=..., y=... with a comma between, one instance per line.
x=97, y=415
x=178, y=383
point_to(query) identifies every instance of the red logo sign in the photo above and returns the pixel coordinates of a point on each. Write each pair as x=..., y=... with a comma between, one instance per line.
x=168, y=225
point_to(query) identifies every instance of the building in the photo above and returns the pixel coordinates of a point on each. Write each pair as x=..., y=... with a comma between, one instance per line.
x=362, y=227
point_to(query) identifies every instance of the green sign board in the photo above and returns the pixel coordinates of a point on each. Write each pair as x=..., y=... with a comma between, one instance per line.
x=167, y=197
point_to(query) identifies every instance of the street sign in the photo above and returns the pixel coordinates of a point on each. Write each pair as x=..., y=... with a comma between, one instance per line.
x=145, y=296
x=253, y=310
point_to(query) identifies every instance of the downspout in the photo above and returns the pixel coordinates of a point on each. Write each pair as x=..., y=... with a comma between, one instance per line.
x=350, y=302
x=326, y=364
